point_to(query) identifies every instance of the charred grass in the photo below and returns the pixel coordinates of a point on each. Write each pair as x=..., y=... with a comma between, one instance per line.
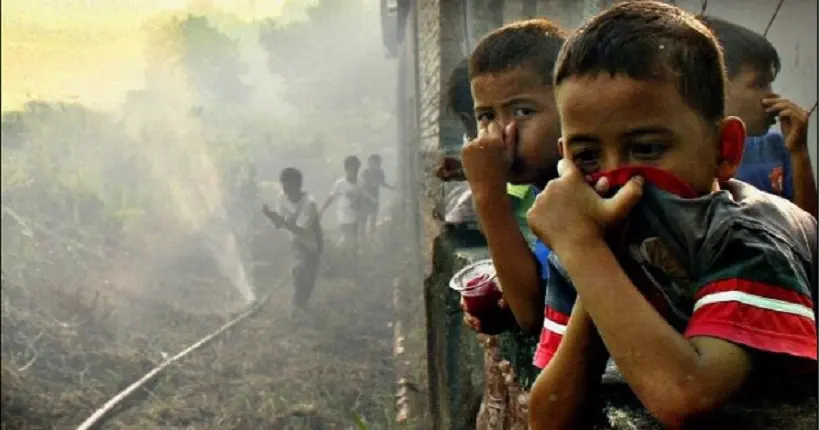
x=66, y=351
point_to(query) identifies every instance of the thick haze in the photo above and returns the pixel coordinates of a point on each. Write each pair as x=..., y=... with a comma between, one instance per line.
x=150, y=133
x=62, y=49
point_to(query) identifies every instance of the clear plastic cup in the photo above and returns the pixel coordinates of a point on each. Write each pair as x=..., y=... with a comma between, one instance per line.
x=478, y=285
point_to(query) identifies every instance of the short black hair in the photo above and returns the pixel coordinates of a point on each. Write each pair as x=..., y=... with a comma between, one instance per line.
x=374, y=157
x=531, y=43
x=352, y=162
x=650, y=40
x=291, y=175
x=743, y=47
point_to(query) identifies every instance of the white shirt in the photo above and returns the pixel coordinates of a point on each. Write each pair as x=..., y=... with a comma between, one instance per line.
x=348, y=200
x=303, y=213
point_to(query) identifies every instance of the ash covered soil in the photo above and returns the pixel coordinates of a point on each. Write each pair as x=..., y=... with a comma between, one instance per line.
x=329, y=368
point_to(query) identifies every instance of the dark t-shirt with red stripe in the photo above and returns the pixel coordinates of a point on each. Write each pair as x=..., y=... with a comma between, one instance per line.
x=738, y=265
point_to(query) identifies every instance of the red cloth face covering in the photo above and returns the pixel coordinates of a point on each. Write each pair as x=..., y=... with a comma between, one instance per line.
x=659, y=178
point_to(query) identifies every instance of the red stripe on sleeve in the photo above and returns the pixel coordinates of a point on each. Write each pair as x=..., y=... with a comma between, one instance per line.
x=756, y=327
x=756, y=288
x=549, y=341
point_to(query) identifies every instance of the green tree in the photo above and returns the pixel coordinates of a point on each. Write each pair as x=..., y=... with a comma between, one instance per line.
x=196, y=51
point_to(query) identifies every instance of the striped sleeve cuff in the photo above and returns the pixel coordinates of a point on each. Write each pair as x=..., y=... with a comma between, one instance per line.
x=555, y=326
x=764, y=317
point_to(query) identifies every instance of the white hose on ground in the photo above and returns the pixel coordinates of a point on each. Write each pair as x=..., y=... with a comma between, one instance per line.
x=96, y=418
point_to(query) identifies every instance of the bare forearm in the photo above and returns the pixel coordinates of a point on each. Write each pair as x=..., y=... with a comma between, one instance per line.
x=326, y=205
x=805, y=190
x=567, y=385
x=295, y=229
x=514, y=262
x=276, y=221
x=657, y=362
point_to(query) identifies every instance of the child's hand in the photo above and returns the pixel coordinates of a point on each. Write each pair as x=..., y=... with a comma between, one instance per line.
x=794, y=121
x=570, y=212
x=486, y=159
x=450, y=170
x=488, y=327
x=272, y=214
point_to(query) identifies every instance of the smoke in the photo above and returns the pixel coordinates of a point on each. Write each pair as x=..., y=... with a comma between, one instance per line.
x=133, y=230
x=168, y=185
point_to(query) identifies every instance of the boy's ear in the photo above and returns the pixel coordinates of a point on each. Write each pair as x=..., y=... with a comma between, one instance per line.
x=731, y=140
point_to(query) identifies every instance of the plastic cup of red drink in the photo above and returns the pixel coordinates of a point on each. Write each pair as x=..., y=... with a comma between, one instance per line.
x=478, y=285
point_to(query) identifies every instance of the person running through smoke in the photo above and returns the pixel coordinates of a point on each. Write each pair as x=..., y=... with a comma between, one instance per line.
x=296, y=211
x=349, y=193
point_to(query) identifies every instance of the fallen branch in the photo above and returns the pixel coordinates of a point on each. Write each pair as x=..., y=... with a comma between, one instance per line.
x=30, y=226
x=33, y=352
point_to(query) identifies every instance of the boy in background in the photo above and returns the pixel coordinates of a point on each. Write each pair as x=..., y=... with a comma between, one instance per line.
x=296, y=211
x=723, y=277
x=372, y=180
x=349, y=195
x=510, y=73
x=775, y=162
x=459, y=100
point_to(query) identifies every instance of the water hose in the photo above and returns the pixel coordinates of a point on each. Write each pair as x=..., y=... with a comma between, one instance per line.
x=97, y=418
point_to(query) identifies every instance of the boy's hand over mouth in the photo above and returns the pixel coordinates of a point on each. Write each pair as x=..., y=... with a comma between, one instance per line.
x=486, y=159
x=570, y=213
x=794, y=121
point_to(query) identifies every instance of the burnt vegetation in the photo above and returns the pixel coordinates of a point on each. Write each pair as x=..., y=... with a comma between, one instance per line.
x=124, y=233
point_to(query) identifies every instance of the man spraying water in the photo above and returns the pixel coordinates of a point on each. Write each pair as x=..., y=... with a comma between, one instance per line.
x=297, y=212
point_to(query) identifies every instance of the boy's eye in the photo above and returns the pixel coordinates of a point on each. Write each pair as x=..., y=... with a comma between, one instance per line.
x=484, y=117
x=587, y=160
x=586, y=156
x=648, y=151
x=523, y=112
